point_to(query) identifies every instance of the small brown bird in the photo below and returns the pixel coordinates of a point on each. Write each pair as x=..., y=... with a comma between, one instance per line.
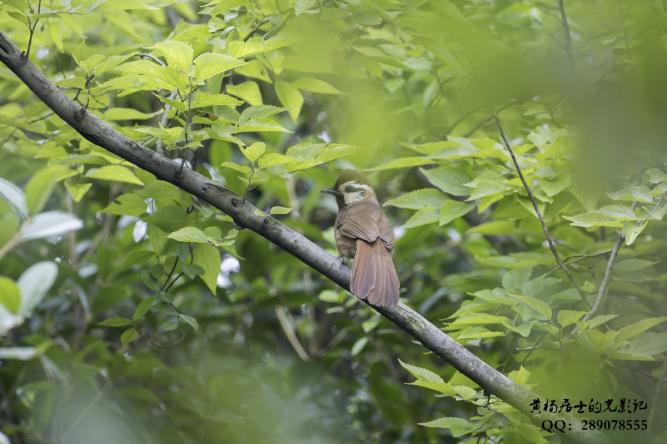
x=363, y=232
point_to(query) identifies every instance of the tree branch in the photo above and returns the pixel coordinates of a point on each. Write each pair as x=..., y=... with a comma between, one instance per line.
x=538, y=212
x=245, y=215
x=602, y=291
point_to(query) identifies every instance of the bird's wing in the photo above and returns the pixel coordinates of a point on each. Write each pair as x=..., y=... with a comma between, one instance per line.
x=367, y=222
x=386, y=231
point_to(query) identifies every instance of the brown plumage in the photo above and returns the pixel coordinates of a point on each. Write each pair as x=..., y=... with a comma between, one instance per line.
x=363, y=232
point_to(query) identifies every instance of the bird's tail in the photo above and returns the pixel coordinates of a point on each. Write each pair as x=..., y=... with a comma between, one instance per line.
x=374, y=276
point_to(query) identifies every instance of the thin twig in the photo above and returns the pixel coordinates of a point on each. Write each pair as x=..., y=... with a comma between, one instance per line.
x=604, y=286
x=566, y=31
x=32, y=27
x=538, y=212
x=290, y=334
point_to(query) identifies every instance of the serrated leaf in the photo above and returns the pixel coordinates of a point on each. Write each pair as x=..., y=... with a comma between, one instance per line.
x=290, y=97
x=189, y=234
x=403, y=162
x=418, y=199
x=177, y=54
x=456, y=426
x=248, y=91
x=422, y=217
x=254, y=151
x=593, y=219
x=633, y=193
x=204, y=99
x=568, y=317
x=315, y=85
x=127, y=114
x=451, y=209
x=632, y=330
x=449, y=179
x=259, y=112
x=114, y=173
x=209, y=64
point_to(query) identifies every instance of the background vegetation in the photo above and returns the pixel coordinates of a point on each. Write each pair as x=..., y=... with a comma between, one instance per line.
x=131, y=312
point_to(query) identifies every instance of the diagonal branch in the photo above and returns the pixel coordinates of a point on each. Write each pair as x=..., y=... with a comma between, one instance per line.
x=246, y=215
x=602, y=291
x=538, y=212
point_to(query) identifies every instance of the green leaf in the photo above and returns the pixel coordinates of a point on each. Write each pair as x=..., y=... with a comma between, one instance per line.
x=514, y=279
x=403, y=162
x=280, y=210
x=359, y=345
x=334, y=297
x=418, y=199
x=177, y=54
x=315, y=85
x=422, y=217
x=456, y=426
x=128, y=204
x=114, y=173
x=632, y=330
x=593, y=219
x=130, y=335
x=13, y=194
x=259, y=112
x=77, y=190
x=568, y=317
x=10, y=295
x=192, y=322
x=203, y=99
x=190, y=234
x=634, y=193
x=34, y=283
x=143, y=308
x=290, y=97
x=39, y=187
x=48, y=224
x=541, y=308
x=20, y=354
x=209, y=64
x=254, y=151
x=127, y=114
x=248, y=91
x=449, y=179
x=208, y=258
x=451, y=209
x=115, y=321
x=631, y=231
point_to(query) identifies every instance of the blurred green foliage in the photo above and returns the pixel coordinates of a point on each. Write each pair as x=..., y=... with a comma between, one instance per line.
x=131, y=312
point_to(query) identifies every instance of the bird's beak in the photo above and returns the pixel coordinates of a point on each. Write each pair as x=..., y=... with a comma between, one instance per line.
x=332, y=192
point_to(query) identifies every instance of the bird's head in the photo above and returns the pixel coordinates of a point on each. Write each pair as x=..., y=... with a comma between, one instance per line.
x=351, y=187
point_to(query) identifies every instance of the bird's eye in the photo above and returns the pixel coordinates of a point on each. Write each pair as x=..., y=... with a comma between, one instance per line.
x=349, y=189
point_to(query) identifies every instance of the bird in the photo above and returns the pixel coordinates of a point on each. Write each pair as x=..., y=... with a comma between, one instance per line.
x=363, y=233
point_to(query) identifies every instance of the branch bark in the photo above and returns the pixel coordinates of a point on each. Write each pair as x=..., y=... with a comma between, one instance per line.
x=244, y=214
